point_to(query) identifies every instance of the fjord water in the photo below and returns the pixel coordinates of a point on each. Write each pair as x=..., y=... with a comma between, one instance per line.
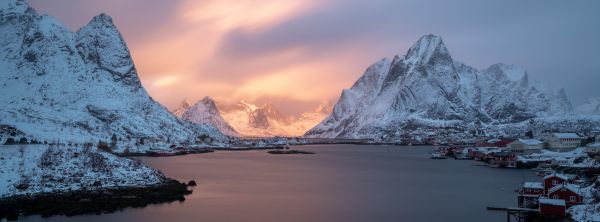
x=338, y=183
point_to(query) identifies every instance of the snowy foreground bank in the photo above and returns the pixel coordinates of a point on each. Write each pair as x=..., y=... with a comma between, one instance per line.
x=33, y=175
x=32, y=169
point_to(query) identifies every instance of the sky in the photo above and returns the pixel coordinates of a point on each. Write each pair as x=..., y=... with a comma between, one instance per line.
x=299, y=53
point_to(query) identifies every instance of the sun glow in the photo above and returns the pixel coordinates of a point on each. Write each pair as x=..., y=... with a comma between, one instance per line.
x=166, y=81
x=248, y=14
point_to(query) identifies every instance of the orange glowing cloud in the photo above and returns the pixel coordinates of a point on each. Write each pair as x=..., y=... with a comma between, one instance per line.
x=248, y=14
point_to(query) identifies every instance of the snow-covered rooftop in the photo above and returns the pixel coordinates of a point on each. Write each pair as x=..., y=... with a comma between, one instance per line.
x=530, y=141
x=533, y=185
x=566, y=135
x=572, y=187
x=561, y=176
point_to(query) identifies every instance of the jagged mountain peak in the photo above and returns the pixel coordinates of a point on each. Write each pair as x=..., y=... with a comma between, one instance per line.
x=205, y=111
x=185, y=103
x=206, y=104
x=427, y=88
x=102, y=21
x=101, y=43
x=209, y=103
x=77, y=86
x=207, y=99
x=427, y=47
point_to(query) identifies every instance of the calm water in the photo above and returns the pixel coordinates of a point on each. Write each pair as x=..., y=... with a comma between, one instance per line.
x=339, y=183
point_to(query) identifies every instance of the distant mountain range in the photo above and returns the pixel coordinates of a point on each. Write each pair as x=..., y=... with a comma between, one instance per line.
x=427, y=89
x=246, y=119
x=58, y=85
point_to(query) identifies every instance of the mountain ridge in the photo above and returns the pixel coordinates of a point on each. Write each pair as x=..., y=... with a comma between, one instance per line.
x=426, y=87
x=251, y=120
x=59, y=85
x=205, y=111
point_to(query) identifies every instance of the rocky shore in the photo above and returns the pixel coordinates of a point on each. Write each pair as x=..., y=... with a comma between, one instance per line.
x=92, y=202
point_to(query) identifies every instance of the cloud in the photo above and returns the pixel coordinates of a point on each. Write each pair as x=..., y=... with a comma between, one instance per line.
x=308, y=51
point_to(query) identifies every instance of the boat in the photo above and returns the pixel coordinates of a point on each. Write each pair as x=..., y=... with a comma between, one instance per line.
x=437, y=155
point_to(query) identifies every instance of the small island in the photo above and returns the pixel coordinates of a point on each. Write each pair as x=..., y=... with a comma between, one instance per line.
x=289, y=152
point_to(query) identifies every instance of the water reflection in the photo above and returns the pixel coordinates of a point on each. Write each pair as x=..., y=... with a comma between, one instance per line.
x=339, y=183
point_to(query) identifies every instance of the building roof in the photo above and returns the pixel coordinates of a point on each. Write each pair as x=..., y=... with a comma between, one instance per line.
x=566, y=135
x=555, y=202
x=572, y=187
x=533, y=185
x=530, y=142
x=561, y=176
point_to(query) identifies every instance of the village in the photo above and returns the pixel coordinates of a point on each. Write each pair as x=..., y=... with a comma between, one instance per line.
x=568, y=164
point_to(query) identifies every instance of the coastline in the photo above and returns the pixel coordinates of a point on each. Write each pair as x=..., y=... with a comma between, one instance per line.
x=92, y=202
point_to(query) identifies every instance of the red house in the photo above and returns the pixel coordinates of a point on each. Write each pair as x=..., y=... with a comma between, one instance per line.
x=552, y=207
x=570, y=193
x=553, y=180
x=493, y=143
x=529, y=194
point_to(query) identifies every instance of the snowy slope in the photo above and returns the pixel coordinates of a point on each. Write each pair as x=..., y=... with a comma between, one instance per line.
x=32, y=169
x=426, y=87
x=591, y=107
x=58, y=85
x=206, y=112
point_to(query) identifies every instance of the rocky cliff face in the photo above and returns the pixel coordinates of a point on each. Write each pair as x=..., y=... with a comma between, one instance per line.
x=426, y=87
x=58, y=85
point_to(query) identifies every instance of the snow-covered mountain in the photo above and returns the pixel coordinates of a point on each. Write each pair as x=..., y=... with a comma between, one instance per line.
x=247, y=119
x=58, y=85
x=427, y=88
x=252, y=120
x=205, y=111
x=590, y=107
x=184, y=106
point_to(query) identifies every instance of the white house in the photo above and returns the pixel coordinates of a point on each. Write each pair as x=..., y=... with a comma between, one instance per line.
x=563, y=142
x=525, y=146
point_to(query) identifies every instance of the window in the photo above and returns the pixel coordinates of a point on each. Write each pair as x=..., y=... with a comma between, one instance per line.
x=563, y=189
x=554, y=196
x=537, y=190
x=554, y=182
x=528, y=190
x=573, y=198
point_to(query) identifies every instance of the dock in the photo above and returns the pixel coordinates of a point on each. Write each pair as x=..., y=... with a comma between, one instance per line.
x=519, y=214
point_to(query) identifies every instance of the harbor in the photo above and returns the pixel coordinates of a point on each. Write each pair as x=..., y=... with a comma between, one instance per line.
x=566, y=164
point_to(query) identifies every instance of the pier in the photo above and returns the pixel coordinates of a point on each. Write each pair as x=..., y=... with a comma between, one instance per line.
x=519, y=214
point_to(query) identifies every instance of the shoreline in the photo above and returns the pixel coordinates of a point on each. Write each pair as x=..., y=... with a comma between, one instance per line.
x=92, y=202
x=189, y=151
